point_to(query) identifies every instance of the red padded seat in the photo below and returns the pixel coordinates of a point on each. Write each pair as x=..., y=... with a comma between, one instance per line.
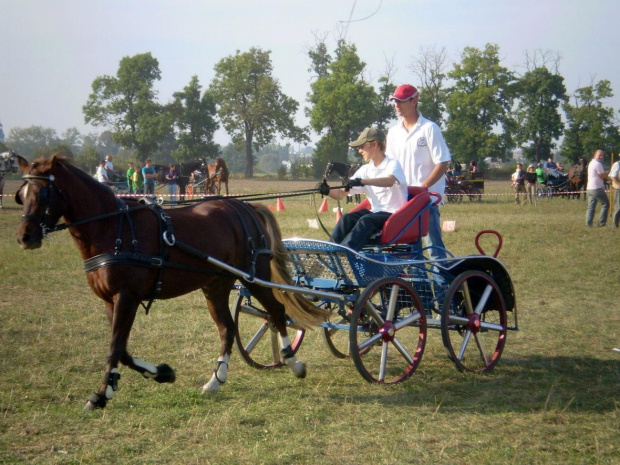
x=410, y=222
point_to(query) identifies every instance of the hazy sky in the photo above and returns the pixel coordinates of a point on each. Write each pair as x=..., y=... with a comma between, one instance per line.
x=51, y=51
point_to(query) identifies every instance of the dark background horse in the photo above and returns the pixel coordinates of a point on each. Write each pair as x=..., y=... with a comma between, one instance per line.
x=8, y=163
x=217, y=174
x=578, y=177
x=185, y=171
x=131, y=256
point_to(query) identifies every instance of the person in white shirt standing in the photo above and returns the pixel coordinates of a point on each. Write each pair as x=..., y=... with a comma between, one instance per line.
x=596, y=190
x=383, y=181
x=614, y=175
x=102, y=173
x=419, y=146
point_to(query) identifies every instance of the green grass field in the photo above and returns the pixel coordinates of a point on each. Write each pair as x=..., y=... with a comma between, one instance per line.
x=554, y=397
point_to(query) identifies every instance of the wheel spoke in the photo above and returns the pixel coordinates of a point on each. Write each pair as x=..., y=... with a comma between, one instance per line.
x=383, y=365
x=484, y=299
x=256, y=338
x=392, y=303
x=402, y=350
x=372, y=311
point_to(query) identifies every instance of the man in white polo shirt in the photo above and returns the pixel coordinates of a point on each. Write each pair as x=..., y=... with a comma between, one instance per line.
x=596, y=190
x=383, y=181
x=417, y=143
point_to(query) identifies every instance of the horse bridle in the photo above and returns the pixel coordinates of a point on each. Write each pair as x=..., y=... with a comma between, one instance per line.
x=45, y=198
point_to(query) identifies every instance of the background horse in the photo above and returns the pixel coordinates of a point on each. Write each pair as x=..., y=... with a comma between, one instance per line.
x=135, y=252
x=8, y=162
x=578, y=177
x=217, y=174
x=184, y=170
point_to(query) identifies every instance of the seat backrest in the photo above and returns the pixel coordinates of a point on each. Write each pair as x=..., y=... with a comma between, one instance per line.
x=410, y=222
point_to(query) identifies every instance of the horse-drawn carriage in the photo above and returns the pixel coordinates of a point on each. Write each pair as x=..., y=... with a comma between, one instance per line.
x=556, y=183
x=470, y=185
x=374, y=306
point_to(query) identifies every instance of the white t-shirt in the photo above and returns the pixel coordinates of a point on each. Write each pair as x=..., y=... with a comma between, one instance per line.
x=595, y=168
x=383, y=199
x=419, y=151
x=614, y=174
x=102, y=174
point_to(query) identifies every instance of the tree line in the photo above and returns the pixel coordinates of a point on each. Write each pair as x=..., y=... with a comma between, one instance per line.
x=484, y=108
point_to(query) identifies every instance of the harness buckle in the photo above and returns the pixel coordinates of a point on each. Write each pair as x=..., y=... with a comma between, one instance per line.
x=157, y=262
x=170, y=241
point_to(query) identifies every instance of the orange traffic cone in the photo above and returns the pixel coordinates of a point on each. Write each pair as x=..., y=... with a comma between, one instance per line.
x=323, y=207
x=279, y=205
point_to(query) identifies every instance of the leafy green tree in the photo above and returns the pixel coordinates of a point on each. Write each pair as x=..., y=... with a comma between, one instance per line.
x=234, y=156
x=250, y=103
x=429, y=66
x=478, y=105
x=195, y=122
x=127, y=104
x=1, y=133
x=88, y=159
x=343, y=103
x=32, y=142
x=539, y=121
x=591, y=125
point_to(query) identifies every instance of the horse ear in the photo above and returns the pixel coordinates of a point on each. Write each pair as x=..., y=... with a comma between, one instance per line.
x=23, y=163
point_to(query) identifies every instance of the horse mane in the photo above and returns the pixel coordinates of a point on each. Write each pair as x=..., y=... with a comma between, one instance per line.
x=66, y=163
x=301, y=310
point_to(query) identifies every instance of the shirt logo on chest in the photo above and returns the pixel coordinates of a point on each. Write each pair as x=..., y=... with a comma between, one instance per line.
x=422, y=142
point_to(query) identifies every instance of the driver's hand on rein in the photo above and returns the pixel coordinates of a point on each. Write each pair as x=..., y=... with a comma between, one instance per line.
x=355, y=182
x=324, y=188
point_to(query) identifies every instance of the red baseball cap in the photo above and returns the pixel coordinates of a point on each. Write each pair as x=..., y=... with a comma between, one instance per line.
x=404, y=92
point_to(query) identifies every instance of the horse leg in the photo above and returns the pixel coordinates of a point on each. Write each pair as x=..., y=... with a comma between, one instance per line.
x=121, y=315
x=217, y=301
x=278, y=316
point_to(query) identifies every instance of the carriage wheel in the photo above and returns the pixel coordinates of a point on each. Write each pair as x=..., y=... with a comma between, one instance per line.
x=473, y=322
x=475, y=195
x=257, y=338
x=388, y=331
x=336, y=335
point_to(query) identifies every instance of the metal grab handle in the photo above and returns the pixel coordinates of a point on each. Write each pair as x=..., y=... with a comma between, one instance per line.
x=500, y=241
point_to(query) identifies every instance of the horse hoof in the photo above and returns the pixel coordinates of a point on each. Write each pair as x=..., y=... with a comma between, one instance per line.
x=299, y=369
x=165, y=374
x=212, y=386
x=89, y=407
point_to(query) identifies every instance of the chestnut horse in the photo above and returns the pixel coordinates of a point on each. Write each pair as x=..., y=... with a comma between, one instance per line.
x=218, y=174
x=134, y=253
x=578, y=177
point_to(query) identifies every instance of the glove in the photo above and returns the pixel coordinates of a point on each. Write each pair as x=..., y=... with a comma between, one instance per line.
x=355, y=182
x=324, y=188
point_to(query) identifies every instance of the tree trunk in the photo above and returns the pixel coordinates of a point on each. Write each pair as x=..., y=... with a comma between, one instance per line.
x=249, y=159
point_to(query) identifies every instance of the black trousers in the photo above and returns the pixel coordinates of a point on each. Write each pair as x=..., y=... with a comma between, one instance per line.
x=354, y=229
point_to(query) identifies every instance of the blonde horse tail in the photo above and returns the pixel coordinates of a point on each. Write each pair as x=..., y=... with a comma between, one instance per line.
x=301, y=310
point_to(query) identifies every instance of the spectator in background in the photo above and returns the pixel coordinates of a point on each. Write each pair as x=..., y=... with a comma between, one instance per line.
x=541, y=176
x=171, y=179
x=596, y=190
x=138, y=183
x=550, y=164
x=473, y=166
x=130, y=184
x=102, y=174
x=614, y=175
x=560, y=167
x=530, y=185
x=109, y=166
x=518, y=182
x=148, y=175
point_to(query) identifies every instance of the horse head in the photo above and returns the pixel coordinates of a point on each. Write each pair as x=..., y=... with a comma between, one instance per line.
x=41, y=198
